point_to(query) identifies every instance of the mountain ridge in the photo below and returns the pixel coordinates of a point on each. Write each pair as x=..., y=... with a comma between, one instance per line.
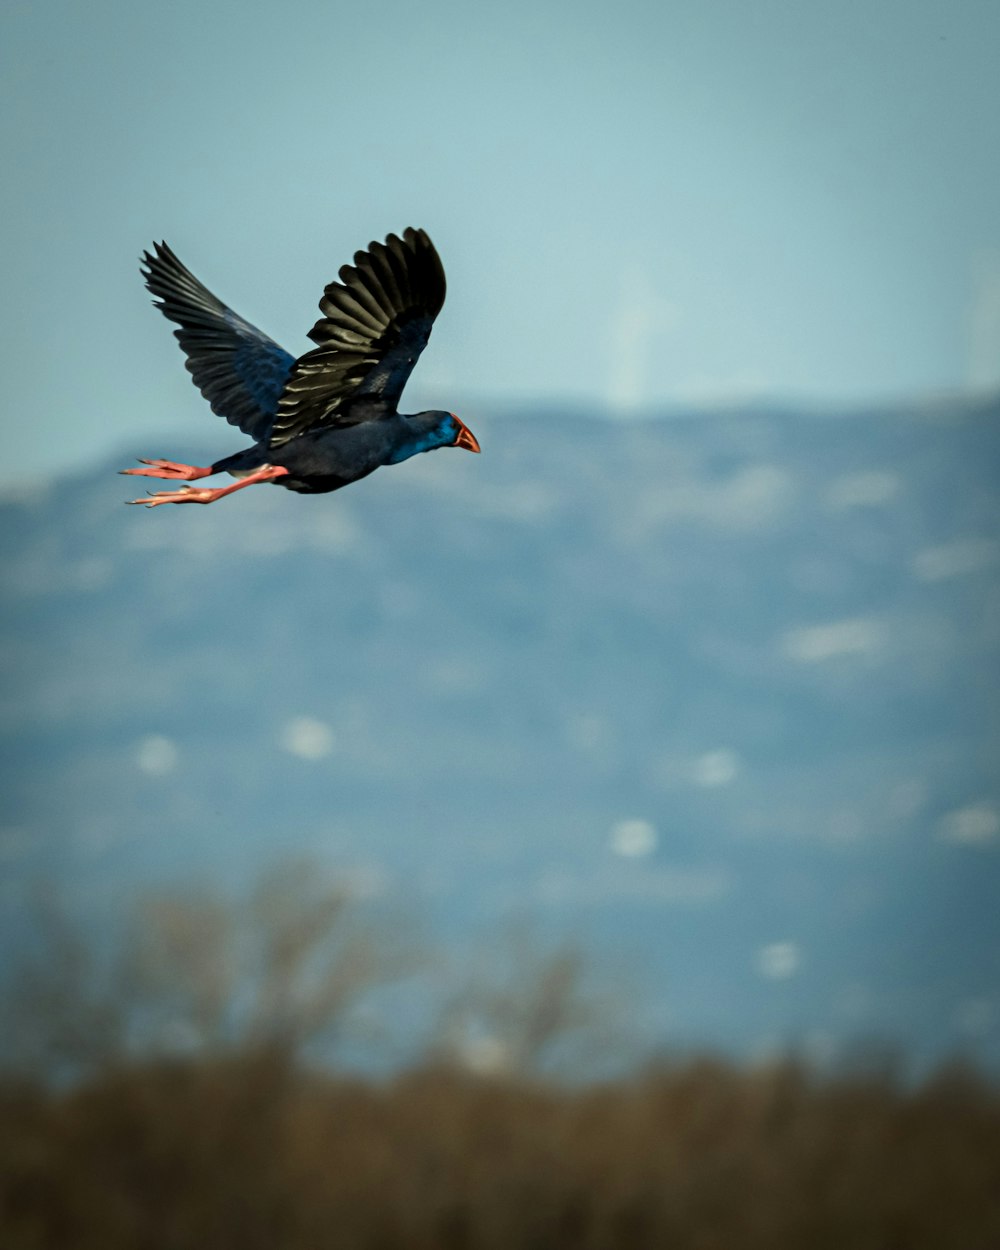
x=690, y=689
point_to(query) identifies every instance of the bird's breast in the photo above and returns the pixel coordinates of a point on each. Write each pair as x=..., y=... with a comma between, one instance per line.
x=324, y=460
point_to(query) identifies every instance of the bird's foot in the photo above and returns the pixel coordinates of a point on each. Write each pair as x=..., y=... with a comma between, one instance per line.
x=170, y=470
x=206, y=494
x=186, y=494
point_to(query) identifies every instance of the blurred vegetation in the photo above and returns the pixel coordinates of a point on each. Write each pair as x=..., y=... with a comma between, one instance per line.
x=249, y=1152
x=285, y=969
x=296, y=968
x=167, y=1096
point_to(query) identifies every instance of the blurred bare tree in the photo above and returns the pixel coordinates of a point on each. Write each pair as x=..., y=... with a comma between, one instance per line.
x=528, y=1007
x=283, y=971
x=293, y=969
x=311, y=958
x=62, y=1015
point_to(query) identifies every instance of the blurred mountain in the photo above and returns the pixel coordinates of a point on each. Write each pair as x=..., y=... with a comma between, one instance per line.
x=716, y=693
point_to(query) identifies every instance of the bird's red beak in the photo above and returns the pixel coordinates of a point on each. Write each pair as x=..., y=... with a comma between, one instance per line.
x=466, y=438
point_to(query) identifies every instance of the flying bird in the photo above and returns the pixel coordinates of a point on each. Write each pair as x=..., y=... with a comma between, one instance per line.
x=329, y=418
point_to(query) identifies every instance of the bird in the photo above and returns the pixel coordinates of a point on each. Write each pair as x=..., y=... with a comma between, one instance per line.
x=328, y=418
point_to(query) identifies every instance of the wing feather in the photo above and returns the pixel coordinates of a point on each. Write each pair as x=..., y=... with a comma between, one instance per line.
x=376, y=321
x=360, y=291
x=354, y=315
x=239, y=369
x=387, y=279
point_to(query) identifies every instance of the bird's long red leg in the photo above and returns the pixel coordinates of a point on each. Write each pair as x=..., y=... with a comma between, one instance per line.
x=190, y=494
x=170, y=470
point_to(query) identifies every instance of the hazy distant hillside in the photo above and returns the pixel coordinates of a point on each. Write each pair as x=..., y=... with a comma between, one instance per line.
x=718, y=692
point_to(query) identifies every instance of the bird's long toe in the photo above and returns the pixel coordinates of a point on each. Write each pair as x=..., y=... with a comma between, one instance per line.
x=185, y=495
x=170, y=470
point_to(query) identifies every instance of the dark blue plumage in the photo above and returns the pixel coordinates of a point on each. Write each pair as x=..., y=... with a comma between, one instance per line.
x=330, y=417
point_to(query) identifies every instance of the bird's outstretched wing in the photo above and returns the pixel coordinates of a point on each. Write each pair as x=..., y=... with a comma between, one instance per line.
x=239, y=370
x=377, y=320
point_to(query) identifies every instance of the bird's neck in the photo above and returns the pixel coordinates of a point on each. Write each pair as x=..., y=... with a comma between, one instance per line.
x=417, y=437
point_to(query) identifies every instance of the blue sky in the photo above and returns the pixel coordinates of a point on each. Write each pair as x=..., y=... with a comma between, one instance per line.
x=638, y=204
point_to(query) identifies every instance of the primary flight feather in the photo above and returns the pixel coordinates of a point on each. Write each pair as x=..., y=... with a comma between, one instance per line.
x=330, y=417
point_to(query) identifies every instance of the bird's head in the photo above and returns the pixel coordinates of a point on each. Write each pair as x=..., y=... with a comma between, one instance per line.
x=439, y=429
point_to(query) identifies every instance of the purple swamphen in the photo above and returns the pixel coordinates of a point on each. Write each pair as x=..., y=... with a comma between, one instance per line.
x=328, y=418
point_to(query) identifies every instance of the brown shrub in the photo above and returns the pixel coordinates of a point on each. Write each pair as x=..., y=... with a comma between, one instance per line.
x=256, y=1152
